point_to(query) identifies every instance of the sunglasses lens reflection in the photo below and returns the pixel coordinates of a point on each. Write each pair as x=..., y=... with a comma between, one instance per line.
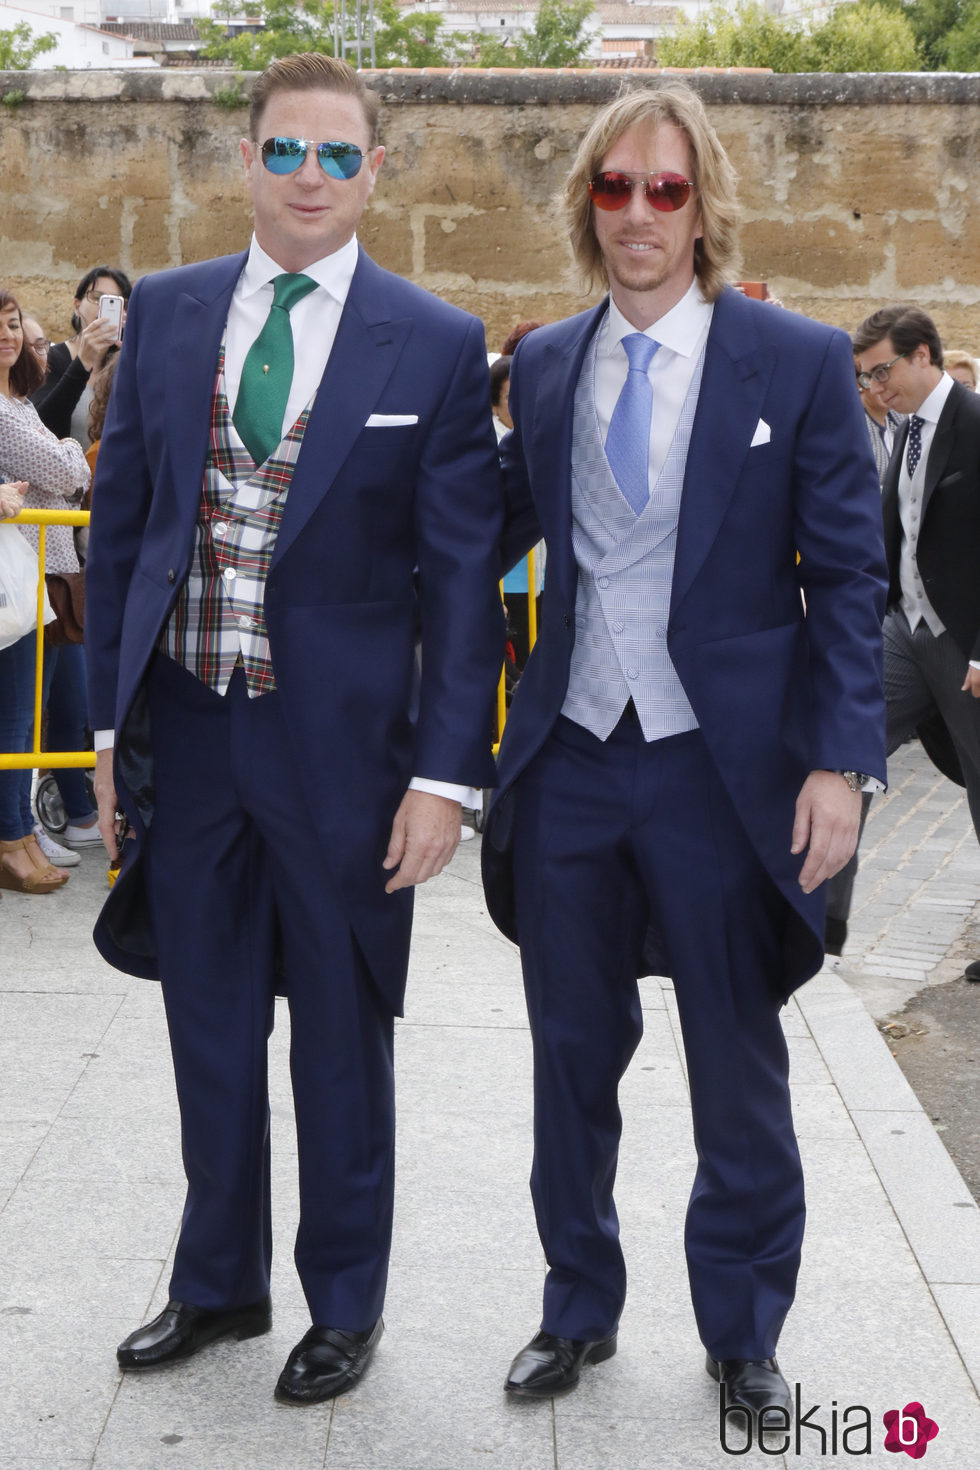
x=283, y=155
x=611, y=190
x=668, y=192
x=340, y=160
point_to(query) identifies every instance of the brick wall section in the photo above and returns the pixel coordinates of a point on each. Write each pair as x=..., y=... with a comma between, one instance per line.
x=856, y=190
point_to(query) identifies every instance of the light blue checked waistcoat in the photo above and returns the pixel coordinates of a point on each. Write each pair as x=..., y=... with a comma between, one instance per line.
x=625, y=571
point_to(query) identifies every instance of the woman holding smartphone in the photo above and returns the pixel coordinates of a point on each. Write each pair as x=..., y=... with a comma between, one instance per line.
x=63, y=400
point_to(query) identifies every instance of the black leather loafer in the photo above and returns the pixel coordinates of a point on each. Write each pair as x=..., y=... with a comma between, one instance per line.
x=972, y=971
x=181, y=1330
x=753, y=1384
x=550, y=1365
x=325, y=1363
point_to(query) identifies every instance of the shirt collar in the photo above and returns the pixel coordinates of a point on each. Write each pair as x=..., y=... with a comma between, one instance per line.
x=681, y=329
x=334, y=272
x=936, y=402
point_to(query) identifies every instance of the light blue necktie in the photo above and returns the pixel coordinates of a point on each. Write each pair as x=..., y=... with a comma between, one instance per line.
x=628, y=439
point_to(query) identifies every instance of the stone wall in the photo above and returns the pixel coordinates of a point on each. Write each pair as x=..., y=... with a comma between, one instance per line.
x=856, y=190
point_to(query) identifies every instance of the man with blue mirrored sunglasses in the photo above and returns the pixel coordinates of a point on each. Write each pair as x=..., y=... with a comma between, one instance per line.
x=300, y=473
x=286, y=155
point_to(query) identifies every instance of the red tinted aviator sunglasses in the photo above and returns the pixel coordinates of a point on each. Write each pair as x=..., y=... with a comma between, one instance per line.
x=614, y=190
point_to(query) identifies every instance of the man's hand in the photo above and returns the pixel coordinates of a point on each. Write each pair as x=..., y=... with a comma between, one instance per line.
x=971, y=684
x=105, y=795
x=424, y=836
x=828, y=819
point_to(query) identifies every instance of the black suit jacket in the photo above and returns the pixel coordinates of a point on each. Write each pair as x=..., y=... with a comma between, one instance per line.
x=949, y=540
x=949, y=533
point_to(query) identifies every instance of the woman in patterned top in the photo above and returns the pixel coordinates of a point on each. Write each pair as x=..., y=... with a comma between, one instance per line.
x=55, y=472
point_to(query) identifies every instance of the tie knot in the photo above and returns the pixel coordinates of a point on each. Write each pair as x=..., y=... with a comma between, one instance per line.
x=640, y=350
x=287, y=289
x=915, y=424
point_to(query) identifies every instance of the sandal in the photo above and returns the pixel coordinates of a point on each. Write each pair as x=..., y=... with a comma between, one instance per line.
x=38, y=882
x=42, y=862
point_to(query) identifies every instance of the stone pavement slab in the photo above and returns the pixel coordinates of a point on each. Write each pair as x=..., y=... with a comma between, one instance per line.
x=90, y=1198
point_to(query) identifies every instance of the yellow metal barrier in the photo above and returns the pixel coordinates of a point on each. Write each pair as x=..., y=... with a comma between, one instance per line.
x=50, y=760
x=36, y=757
x=532, y=638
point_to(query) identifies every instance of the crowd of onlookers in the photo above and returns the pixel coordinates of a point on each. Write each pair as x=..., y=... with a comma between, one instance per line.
x=53, y=399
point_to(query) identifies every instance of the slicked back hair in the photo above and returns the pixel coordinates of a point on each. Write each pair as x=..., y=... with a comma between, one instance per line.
x=906, y=325
x=311, y=71
x=712, y=174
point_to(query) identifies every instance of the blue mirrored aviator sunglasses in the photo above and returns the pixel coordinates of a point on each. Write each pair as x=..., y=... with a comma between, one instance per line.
x=285, y=156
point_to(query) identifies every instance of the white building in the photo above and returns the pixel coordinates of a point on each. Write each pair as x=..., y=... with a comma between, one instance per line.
x=82, y=46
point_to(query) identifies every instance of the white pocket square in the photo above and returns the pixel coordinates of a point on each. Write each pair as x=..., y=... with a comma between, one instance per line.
x=762, y=434
x=390, y=420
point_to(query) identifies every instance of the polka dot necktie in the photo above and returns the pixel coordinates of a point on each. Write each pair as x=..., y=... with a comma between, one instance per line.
x=628, y=439
x=267, y=373
x=915, y=443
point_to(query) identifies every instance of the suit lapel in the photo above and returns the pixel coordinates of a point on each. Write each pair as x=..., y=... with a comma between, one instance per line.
x=736, y=377
x=367, y=347
x=548, y=439
x=940, y=448
x=192, y=359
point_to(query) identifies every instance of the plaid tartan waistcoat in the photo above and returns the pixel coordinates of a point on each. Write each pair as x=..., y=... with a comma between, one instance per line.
x=220, y=614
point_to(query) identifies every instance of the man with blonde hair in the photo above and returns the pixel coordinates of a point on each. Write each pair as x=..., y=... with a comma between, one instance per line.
x=680, y=770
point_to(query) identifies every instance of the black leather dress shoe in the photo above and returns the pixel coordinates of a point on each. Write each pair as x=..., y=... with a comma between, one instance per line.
x=325, y=1363
x=182, y=1329
x=754, y=1384
x=551, y=1365
x=972, y=971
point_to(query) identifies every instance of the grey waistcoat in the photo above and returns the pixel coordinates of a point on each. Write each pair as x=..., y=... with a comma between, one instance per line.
x=625, y=570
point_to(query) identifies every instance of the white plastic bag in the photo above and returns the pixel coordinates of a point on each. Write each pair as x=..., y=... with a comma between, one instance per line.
x=18, y=587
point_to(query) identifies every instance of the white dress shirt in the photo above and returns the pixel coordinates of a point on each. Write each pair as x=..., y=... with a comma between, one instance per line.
x=681, y=333
x=314, y=321
x=915, y=603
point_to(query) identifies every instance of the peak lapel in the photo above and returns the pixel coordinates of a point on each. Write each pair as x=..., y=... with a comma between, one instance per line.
x=737, y=369
x=547, y=437
x=367, y=347
x=191, y=363
x=941, y=447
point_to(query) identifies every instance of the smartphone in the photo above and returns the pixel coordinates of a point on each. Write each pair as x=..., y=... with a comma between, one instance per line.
x=111, y=309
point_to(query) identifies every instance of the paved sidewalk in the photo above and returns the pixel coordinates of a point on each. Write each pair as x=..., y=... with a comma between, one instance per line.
x=90, y=1196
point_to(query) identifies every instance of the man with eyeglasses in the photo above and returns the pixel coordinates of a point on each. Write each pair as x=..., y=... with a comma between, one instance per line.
x=680, y=770
x=931, y=508
x=297, y=480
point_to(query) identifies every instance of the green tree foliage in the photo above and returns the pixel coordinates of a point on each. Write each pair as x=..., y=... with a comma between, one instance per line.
x=872, y=35
x=20, y=46
x=557, y=38
x=864, y=37
x=745, y=36
x=959, y=48
x=291, y=26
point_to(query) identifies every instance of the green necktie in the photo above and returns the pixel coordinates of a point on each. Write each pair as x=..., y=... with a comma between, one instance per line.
x=267, y=372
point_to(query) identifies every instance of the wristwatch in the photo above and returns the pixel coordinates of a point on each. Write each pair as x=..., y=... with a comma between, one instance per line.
x=856, y=780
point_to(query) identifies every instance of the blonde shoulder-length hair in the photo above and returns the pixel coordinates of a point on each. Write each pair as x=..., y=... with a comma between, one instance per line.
x=713, y=176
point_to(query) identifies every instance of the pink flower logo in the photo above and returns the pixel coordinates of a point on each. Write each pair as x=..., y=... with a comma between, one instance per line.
x=909, y=1429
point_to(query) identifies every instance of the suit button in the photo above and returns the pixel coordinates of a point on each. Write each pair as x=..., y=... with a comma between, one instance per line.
x=566, y=621
x=171, y=576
